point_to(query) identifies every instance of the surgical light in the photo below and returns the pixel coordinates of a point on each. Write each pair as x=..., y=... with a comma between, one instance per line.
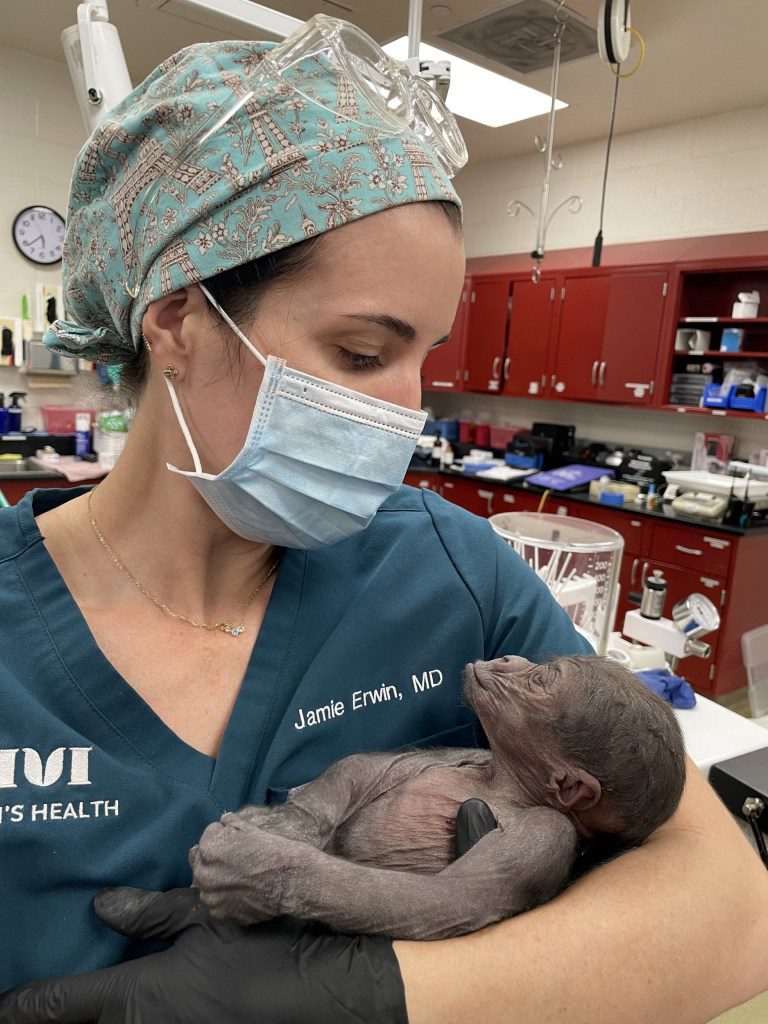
x=478, y=94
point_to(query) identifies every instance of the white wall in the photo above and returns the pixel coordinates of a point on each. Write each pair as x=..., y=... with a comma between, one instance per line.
x=701, y=177
x=41, y=132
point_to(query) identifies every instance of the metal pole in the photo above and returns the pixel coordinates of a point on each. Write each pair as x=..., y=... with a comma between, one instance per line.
x=414, y=28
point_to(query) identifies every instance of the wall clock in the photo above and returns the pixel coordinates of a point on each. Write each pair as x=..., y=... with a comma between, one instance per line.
x=38, y=232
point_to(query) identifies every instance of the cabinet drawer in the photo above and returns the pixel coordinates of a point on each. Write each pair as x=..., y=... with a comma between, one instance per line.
x=473, y=497
x=694, y=548
x=518, y=501
x=632, y=528
x=428, y=481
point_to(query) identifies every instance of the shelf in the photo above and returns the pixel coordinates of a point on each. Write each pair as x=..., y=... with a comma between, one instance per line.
x=722, y=320
x=723, y=355
x=719, y=413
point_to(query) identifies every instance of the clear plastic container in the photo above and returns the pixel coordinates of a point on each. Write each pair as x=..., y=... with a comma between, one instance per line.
x=578, y=560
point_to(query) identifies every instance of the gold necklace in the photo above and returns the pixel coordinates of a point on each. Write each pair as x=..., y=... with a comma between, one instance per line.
x=224, y=627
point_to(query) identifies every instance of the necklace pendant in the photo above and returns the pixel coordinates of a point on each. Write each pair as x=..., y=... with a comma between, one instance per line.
x=232, y=630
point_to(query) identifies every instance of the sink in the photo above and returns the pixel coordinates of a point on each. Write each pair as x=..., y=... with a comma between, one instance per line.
x=26, y=468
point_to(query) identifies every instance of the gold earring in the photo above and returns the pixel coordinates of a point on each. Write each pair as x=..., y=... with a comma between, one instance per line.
x=149, y=347
x=170, y=373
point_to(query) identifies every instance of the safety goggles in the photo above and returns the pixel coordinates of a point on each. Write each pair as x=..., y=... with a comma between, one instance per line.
x=371, y=91
x=392, y=92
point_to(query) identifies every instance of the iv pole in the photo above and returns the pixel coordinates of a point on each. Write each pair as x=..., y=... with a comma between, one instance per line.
x=552, y=161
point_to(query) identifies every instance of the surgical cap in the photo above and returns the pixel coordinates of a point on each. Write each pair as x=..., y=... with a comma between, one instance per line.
x=287, y=167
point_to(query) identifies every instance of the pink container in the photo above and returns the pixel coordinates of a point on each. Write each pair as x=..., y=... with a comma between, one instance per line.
x=483, y=435
x=466, y=432
x=501, y=436
x=60, y=419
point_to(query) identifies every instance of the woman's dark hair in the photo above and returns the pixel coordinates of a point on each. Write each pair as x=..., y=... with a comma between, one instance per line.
x=239, y=290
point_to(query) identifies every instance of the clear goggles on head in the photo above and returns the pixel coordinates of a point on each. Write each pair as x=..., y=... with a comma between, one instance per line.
x=400, y=98
x=373, y=90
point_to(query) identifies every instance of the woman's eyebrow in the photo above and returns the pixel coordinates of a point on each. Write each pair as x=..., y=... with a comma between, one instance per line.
x=399, y=327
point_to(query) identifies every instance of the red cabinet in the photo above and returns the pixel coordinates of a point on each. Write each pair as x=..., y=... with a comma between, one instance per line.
x=580, y=337
x=485, y=334
x=473, y=497
x=608, y=336
x=631, y=341
x=526, y=365
x=442, y=368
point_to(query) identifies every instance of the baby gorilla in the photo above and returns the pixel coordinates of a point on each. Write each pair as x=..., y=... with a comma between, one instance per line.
x=578, y=748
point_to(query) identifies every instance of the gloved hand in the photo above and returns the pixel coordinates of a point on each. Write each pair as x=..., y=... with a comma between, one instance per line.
x=216, y=971
x=285, y=970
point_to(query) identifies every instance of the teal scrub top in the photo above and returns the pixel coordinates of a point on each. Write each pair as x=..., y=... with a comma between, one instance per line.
x=361, y=648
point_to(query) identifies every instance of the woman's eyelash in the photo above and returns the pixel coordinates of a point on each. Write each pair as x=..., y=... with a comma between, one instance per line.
x=358, y=361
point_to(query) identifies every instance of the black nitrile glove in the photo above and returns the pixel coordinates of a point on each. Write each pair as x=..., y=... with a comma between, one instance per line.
x=282, y=972
x=474, y=819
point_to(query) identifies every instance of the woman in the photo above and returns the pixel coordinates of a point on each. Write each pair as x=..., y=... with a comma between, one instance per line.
x=177, y=646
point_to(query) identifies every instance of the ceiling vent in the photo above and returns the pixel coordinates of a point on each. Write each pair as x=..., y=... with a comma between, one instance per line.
x=521, y=35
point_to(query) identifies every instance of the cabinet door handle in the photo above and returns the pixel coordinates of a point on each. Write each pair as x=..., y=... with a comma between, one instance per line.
x=716, y=542
x=644, y=573
x=553, y=381
x=635, y=522
x=473, y=296
x=687, y=551
x=495, y=370
x=506, y=368
x=488, y=495
x=439, y=383
x=601, y=375
x=594, y=373
x=634, y=572
x=543, y=380
x=509, y=498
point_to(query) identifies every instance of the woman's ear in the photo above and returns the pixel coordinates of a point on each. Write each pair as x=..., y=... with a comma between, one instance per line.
x=168, y=328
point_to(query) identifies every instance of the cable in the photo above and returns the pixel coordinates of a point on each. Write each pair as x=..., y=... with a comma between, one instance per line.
x=544, y=497
x=617, y=71
x=597, y=251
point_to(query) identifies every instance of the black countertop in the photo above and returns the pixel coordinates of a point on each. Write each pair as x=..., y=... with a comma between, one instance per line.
x=664, y=512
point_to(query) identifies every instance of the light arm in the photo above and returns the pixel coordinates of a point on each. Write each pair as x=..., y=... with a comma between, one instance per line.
x=674, y=931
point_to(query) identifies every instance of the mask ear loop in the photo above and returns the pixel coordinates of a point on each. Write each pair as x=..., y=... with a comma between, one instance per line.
x=184, y=428
x=172, y=392
x=225, y=316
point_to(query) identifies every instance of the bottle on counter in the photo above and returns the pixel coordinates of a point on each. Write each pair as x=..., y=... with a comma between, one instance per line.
x=3, y=416
x=437, y=448
x=14, y=411
x=654, y=594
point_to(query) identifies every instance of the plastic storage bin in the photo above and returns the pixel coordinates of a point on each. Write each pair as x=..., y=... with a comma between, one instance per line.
x=714, y=397
x=756, y=404
x=60, y=419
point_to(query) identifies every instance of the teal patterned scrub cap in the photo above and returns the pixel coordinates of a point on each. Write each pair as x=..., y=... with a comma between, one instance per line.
x=214, y=161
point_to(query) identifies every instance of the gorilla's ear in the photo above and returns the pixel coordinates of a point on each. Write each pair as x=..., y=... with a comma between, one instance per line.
x=573, y=789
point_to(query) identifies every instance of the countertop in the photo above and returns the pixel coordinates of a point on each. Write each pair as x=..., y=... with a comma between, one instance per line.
x=662, y=512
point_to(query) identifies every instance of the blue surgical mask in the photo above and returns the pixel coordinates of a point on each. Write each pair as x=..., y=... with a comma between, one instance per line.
x=317, y=464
